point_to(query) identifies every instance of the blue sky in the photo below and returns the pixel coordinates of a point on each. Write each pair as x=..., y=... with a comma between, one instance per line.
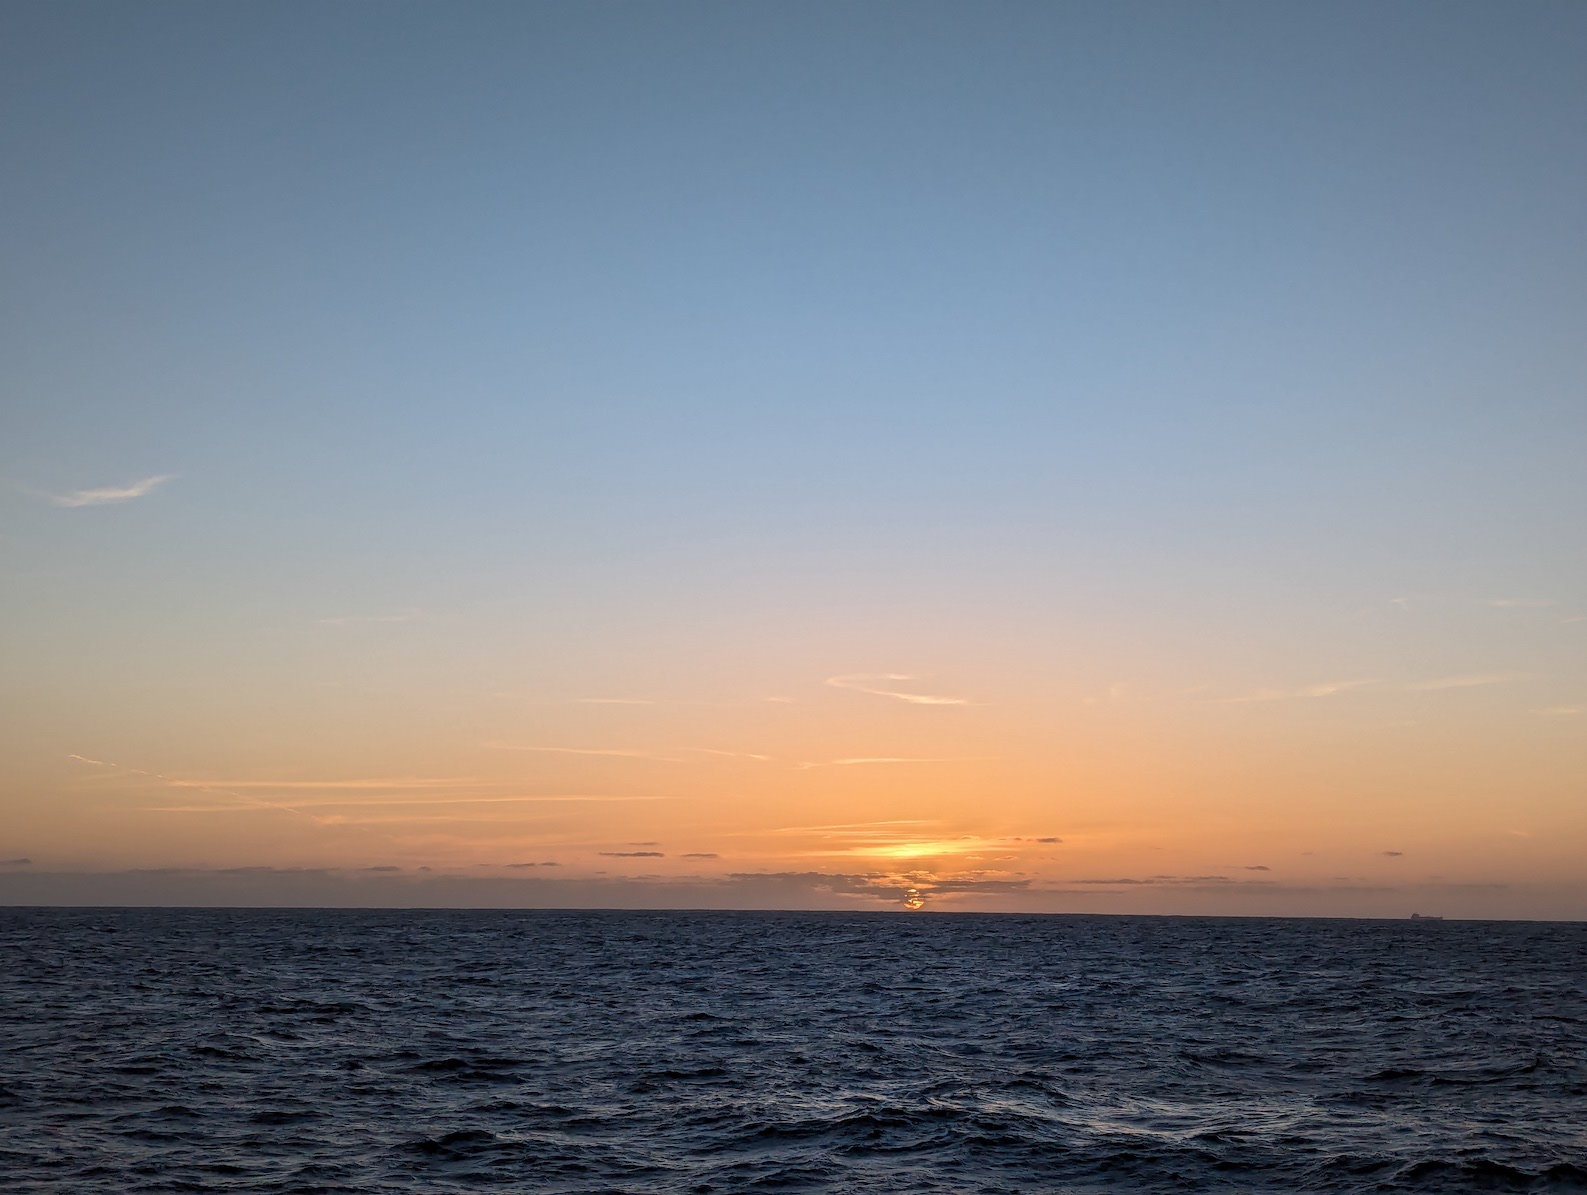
x=667, y=345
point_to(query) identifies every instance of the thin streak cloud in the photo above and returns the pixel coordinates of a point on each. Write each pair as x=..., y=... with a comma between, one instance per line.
x=908, y=821
x=248, y=800
x=378, y=784
x=1325, y=689
x=111, y=495
x=614, y=752
x=887, y=759
x=414, y=802
x=1459, y=682
x=872, y=684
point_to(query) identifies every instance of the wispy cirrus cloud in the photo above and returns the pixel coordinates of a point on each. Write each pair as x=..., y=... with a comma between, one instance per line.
x=111, y=495
x=612, y=752
x=333, y=802
x=1335, y=688
x=419, y=803
x=1475, y=680
x=906, y=821
x=884, y=684
x=246, y=799
x=888, y=759
x=1325, y=689
x=378, y=784
x=719, y=753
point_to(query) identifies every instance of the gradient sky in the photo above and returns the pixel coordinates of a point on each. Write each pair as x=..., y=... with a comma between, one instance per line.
x=1073, y=456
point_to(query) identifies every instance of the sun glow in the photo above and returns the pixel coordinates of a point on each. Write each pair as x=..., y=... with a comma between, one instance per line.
x=917, y=850
x=641, y=518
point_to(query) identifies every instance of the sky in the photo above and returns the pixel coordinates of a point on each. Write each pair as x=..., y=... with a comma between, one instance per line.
x=1050, y=457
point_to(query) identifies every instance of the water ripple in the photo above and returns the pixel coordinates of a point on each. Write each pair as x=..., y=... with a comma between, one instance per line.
x=371, y=1052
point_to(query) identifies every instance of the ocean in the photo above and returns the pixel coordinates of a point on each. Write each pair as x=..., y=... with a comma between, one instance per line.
x=356, y=1051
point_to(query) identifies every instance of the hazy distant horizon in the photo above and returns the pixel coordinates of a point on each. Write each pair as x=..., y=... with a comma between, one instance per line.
x=268, y=888
x=887, y=911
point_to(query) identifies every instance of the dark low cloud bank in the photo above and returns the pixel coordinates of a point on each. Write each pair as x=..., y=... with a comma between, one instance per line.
x=386, y=886
x=1139, y=881
x=792, y=890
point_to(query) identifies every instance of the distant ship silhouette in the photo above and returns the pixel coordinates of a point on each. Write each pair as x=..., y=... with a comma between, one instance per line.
x=1426, y=917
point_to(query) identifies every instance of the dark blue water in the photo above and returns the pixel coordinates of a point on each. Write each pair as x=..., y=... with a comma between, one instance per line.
x=355, y=1051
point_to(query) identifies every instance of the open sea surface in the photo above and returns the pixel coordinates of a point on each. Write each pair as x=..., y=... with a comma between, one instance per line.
x=148, y=1050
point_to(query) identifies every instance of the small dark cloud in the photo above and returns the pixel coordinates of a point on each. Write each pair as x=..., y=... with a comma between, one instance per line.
x=382, y=867
x=633, y=854
x=16, y=862
x=644, y=844
x=1049, y=840
x=1392, y=854
x=702, y=855
x=518, y=865
x=1258, y=867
